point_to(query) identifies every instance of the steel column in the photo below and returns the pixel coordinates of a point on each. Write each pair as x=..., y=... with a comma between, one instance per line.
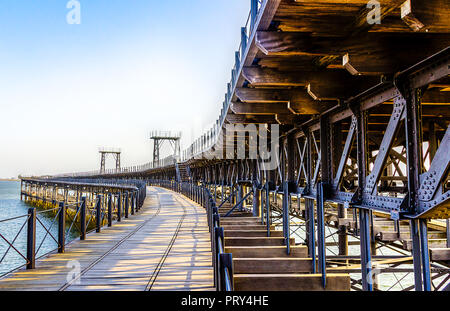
x=62, y=228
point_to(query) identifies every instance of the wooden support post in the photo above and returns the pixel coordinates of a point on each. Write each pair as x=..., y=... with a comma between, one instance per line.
x=286, y=217
x=119, y=207
x=413, y=130
x=133, y=202
x=432, y=139
x=126, y=205
x=31, y=239
x=342, y=231
x=110, y=210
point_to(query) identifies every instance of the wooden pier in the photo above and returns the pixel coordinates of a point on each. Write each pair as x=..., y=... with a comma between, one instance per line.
x=165, y=246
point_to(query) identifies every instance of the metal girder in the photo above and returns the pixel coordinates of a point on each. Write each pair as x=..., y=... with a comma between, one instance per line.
x=385, y=147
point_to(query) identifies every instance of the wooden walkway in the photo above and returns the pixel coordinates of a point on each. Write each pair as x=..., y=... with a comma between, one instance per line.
x=165, y=246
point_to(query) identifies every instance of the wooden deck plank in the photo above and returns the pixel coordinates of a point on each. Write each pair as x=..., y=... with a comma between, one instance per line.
x=130, y=265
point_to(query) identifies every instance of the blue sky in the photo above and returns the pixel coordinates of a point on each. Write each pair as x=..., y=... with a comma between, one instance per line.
x=131, y=66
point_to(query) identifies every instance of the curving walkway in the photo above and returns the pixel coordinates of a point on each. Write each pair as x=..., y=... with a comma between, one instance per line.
x=165, y=246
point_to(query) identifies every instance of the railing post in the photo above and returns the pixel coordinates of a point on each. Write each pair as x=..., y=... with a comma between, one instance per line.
x=243, y=41
x=253, y=13
x=218, y=235
x=262, y=203
x=268, y=212
x=62, y=228
x=98, y=214
x=196, y=194
x=110, y=210
x=31, y=239
x=138, y=201
x=133, y=198
x=83, y=219
x=321, y=232
x=126, y=204
x=119, y=207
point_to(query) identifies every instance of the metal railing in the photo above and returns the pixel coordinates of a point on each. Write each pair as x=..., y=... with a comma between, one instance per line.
x=221, y=261
x=211, y=137
x=68, y=218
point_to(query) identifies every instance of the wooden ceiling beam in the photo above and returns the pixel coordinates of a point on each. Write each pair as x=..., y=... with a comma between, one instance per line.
x=282, y=43
x=250, y=119
x=368, y=54
x=322, y=85
x=393, y=54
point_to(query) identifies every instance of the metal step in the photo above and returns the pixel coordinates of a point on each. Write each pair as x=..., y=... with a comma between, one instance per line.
x=290, y=282
x=298, y=251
